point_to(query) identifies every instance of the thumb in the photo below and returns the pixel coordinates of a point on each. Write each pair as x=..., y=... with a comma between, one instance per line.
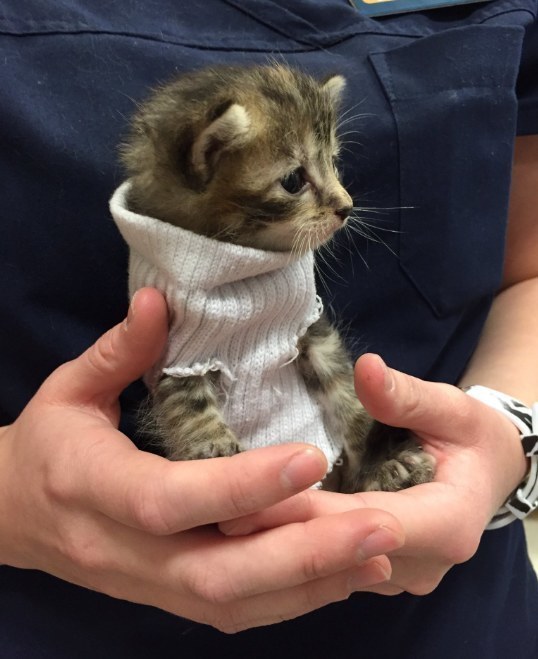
x=116, y=359
x=404, y=401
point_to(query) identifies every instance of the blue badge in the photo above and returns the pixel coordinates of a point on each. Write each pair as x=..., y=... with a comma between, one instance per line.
x=385, y=7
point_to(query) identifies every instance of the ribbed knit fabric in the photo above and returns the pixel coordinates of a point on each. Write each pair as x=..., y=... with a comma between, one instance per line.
x=236, y=310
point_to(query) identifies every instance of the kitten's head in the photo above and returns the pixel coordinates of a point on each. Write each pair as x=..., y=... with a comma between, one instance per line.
x=245, y=155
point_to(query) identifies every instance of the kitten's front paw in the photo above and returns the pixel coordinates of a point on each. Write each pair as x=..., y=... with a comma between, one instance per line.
x=411, y=466
x=222, y=447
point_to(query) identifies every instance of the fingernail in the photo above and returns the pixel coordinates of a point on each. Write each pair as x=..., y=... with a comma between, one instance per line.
x=388, y=380
x=304, y=469
x=131, y=312
x=379, y=542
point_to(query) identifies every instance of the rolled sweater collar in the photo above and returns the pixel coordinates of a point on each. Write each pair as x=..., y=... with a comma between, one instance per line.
x=211, y=262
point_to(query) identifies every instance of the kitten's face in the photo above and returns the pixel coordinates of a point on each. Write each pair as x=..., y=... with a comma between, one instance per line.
x=281, y=193
x=256, y=167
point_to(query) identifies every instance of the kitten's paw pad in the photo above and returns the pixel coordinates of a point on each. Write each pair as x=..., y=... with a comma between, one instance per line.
x=409, y=467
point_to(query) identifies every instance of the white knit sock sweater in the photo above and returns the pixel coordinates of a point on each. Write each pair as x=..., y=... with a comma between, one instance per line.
x=236, y=310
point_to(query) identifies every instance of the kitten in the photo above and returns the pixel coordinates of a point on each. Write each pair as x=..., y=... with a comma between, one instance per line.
x=247, y=156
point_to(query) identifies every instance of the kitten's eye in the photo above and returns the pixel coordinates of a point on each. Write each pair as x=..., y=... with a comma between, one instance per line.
x=295, y=181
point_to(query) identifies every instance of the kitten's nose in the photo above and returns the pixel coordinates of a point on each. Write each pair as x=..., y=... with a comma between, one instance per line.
x=344, y=212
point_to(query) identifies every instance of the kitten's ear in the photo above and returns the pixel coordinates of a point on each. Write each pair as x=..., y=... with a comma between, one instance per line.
x=229, y=130
x=335, y=86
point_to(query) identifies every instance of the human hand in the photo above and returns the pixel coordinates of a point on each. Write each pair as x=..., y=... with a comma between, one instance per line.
x=479, y=463
x=78, y=500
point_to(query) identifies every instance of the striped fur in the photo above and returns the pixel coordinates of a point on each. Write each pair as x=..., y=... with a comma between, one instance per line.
x=187, y=420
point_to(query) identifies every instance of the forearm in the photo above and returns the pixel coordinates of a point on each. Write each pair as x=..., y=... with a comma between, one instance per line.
x=506, y=357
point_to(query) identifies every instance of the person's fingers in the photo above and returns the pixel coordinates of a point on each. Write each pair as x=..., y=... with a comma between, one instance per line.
x=419, y=510
x=404, y=401
x=430, y=547
x=203, y=575
x=309, y=505
x=274, y=607
x=116, y=359
x=257, y=579
x=300, y=508
x=151, y=493
x=291, y=555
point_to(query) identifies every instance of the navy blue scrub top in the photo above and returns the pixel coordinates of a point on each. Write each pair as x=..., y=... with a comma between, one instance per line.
x=432, y=112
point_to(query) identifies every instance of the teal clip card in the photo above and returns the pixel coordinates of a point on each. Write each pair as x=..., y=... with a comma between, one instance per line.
x=385, y=7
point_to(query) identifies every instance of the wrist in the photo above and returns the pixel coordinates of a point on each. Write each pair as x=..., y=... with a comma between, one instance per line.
x=524, y=498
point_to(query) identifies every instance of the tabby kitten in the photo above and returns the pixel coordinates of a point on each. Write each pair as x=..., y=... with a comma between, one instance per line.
x=247, y=157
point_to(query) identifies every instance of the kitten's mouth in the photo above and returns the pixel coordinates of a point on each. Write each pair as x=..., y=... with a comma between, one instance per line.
x=324, y=233
x=335, y=224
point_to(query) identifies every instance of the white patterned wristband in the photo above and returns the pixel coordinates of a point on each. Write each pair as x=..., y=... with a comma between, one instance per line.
x=525, y=499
